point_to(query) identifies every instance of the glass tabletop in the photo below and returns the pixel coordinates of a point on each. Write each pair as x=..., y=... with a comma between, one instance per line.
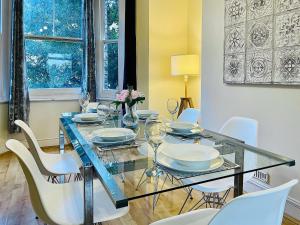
x=121, y=169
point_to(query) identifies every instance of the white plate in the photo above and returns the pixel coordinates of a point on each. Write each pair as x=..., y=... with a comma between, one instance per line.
x=182, y=126
x=100, y=142
x=78, y=120
x=174, y=165
x=146, y=112
x=87, y=116
x=185, y=133
x=113, y=134
x=190, y=153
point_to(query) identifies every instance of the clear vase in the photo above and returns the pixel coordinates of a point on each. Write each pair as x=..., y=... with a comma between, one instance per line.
x=130, y=119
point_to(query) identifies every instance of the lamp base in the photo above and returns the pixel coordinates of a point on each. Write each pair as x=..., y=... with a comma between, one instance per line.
x=184, y=104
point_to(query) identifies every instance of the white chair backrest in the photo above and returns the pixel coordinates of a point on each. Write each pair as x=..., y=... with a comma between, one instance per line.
x=241, y=128
x=36, y=182
x=244, y=129
x=263, y=207
x=190, y=115
x=34, y=146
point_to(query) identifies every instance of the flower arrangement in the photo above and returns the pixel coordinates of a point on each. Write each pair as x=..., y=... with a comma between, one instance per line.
x=130, y=97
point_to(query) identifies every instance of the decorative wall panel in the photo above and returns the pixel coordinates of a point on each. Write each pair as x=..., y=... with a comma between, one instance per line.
x=262, y=42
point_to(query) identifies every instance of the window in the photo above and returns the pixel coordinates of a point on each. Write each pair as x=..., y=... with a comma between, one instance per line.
x=53, y=44
x=111, y=47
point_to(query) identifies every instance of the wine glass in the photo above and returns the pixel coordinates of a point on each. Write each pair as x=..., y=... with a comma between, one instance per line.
x=173, y=106
x=155, y=131
x=84, y=101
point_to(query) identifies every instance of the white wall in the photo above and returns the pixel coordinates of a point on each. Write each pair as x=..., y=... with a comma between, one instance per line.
x=43, y=119
x=277, y=109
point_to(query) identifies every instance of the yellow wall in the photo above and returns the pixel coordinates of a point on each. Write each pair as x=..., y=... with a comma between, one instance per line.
x=174, y=28
x=194, y=45
x=167, y=37
x=142, y=41
x=3, y=125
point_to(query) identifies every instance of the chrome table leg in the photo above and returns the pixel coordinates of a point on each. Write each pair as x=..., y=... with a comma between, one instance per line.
x=61, y=142
x=88, y=194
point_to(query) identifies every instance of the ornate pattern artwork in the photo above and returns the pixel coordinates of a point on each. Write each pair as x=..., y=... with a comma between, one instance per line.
x=262, y=42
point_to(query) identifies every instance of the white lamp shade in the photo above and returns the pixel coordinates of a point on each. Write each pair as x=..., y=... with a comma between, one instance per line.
x=185, y=65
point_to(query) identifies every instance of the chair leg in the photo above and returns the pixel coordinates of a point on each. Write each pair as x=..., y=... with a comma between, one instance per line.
x=187, y=197
x=140, y=181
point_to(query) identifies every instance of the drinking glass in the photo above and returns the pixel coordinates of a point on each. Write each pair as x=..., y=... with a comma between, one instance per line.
x=155, y=131
x=84, y=101
x=172, y=106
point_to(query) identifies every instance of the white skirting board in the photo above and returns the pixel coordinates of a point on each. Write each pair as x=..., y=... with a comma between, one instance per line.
x=292, y=207
x=43, y=143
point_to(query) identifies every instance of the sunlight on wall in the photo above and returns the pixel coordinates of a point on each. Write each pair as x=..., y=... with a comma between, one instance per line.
x=194, y=45
x=174, y=28
x=167, y=37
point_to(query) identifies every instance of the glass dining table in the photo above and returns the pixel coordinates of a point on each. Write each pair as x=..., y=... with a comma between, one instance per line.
x=121, y=169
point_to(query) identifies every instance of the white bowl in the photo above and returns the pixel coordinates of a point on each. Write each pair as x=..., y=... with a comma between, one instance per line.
x=193, y=155
x=113, y=134
x=87, y=116
x=182, y=126
x=172, y=164
x=146, y=113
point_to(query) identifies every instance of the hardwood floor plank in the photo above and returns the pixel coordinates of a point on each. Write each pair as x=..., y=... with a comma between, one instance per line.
x=15, y=206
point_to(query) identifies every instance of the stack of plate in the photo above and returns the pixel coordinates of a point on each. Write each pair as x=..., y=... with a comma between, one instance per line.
x=183, y=128
x=145, y=114
x=88, y=118
x=190, y=157
x=92, y=107
x=113, y=136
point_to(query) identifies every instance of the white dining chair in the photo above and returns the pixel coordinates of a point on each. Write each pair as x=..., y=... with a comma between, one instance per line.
x=190, y=115
x=51, y=165
x=241, y=128
x=258, y=208
x=62, y=203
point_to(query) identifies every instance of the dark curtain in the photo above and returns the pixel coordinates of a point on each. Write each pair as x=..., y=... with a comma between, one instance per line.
x=18, y=95
x=130, y=45
x=89, y=65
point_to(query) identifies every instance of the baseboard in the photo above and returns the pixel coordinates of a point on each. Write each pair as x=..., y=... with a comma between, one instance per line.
x=292, y=205
x=48, y=142
x=42, y=142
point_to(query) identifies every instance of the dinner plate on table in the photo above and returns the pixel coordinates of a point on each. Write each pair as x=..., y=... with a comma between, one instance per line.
x=174, y=165
x=190, y=157
x=88, y=118
x=113, y=134
x=186, y=133
x=145, y=114
x=182, y=127
x=101, y=143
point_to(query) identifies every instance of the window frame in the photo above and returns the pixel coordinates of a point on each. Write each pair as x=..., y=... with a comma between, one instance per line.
x=52, y=94
x=102, y=93
x=2, y=91
x=4, y=50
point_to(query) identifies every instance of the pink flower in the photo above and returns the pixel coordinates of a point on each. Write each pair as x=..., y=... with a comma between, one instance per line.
x=123, y=95
x=135, y=94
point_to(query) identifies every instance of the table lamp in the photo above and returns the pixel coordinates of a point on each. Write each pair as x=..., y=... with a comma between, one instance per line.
x=185, y=65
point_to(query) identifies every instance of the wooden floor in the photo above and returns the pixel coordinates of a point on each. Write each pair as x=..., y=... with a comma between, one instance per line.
x=15, y=206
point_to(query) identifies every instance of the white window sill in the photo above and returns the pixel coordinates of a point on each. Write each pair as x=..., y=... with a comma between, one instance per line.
x=54, y=94
x=3, y=99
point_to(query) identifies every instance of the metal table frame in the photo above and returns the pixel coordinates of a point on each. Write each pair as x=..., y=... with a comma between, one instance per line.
x=92, y=166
